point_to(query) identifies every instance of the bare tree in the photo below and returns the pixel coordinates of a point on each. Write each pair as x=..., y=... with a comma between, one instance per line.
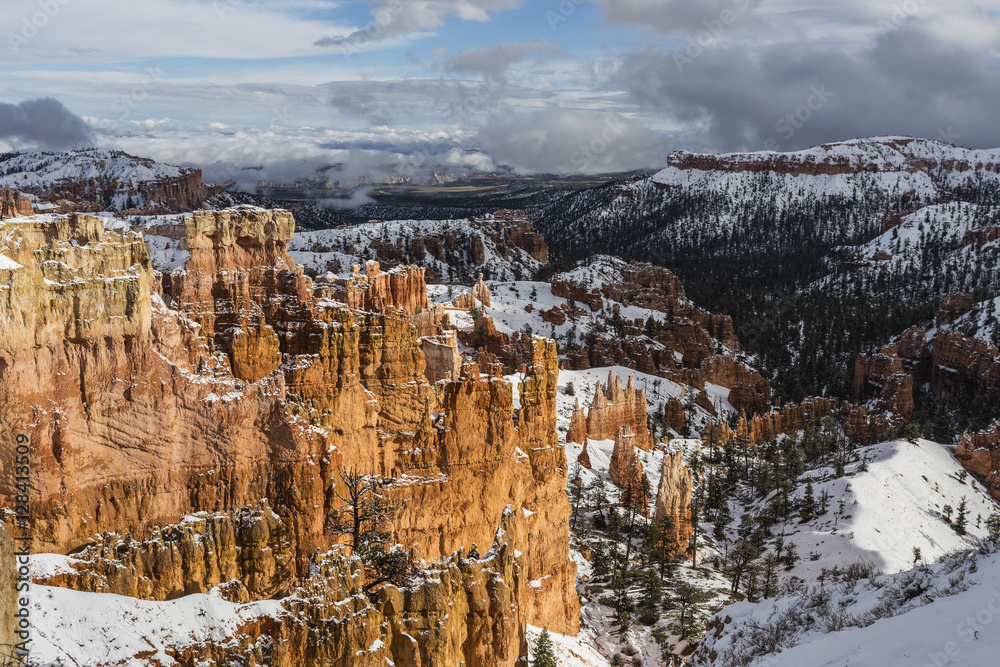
x=366, y=518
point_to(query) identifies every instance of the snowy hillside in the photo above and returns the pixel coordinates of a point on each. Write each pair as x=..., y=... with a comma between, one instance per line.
x=77, y=628
x=885, y=164
x=893, y=503
x=112, y=180
x=444, y=248
x=942, y=614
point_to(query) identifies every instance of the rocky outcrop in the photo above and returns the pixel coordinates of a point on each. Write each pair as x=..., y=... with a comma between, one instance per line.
x=481, y=292
x=612, y=408
x=980, y=454
x=965, y=366
x=402, y=288
x=881, y=378
x=673, y=496
x=459, y=611
x=953, y=307
x=577, y=425
x=13, y=204
x=241, y=384
x=981, y=235
x=625, y=470
x=674, y=415
x=787, y=419
x=247, y=552
x=584, y=457
x=566, y=289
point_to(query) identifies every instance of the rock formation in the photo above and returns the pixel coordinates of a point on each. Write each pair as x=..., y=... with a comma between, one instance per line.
x=611, y=409
x=964, y=366
x=953, y=307
x=459, y=611
x=881, y=377
x=244, y=383
x=625, y=470
x=14, y=204
x=481, y=292
x=247, y=551
x=673, y=496
x=674, y=415
x=91, y=180
x=980, y=454
x=577, y=426
x=758, y=429
x=402, y=288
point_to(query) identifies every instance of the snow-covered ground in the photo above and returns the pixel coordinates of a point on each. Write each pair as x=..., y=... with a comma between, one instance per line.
x=933, y=616
x=42, y=170
x=893, y=507
x=336, y=250
x=76, y=628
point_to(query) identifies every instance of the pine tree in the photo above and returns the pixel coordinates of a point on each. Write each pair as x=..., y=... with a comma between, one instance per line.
x=544, y=654
x=962, y=518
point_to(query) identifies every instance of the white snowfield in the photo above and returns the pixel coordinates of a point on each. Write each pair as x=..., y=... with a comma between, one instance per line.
x=890, y=509
x=75, y=628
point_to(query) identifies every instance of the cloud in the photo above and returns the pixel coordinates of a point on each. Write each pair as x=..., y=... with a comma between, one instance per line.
x=401, y=17
x=359, y=197
x=560, y=141
x=680, y=16
x=492, y=62
x=44, y=123
x=792, y=95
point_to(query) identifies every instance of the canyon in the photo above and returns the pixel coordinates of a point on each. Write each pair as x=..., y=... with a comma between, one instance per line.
x=149, y=396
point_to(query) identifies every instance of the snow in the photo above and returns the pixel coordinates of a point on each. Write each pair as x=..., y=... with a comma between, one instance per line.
x=939, y=615
x=891, y=508
x=336, y=250
x=43, y=170
x=579, y=651
x=7, y=264
x=80, y=628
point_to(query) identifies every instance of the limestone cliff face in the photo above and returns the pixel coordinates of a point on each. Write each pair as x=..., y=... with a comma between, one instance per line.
x=242, y=384
x=247, y=550
x=881, y=377
x=459, y=611
x=789, y=418
x=673, y=496
x=963, y=366
x=14, y=204
x=402, y=288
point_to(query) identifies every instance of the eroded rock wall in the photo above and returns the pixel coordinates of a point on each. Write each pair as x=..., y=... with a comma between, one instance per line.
x=240, y=385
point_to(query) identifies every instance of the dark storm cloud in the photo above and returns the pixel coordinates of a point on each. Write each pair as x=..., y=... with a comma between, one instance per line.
x=43, y=122
x=790, y=96
x=682, y=16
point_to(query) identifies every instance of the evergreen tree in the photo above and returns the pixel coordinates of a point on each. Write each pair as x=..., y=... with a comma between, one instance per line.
x=544, y=653
x=962, y=518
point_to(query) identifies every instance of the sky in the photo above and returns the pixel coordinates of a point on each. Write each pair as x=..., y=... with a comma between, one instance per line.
x=358, y=92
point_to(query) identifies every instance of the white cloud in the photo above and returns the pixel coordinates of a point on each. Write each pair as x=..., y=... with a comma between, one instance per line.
x=398, y=17
x=82, y=31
